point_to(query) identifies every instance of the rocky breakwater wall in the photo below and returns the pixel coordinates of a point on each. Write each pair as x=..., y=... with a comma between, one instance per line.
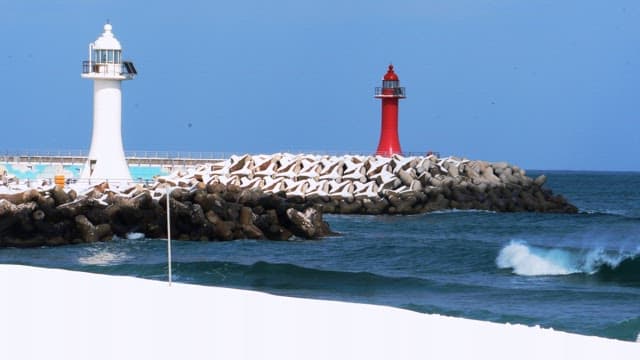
x=56, y=216
x=354, y=184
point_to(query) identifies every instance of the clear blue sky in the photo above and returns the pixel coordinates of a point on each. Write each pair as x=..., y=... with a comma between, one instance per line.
x=542, y=84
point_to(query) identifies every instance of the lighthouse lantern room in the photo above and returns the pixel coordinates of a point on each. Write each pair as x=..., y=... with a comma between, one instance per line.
x=390, y=93
x=106, y=160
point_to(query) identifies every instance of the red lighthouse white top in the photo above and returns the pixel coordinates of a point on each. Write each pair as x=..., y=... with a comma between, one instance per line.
x=390, y=92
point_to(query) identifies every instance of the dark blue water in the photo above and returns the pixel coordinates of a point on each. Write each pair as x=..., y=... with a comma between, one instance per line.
x=578, y=273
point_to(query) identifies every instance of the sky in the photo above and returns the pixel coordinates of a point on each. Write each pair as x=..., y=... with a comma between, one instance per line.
x=541, y=84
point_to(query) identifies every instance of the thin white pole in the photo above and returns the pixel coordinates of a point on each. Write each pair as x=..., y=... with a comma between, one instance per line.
x=169, y=233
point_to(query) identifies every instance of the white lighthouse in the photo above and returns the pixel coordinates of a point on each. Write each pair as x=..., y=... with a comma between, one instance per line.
x=105, y=67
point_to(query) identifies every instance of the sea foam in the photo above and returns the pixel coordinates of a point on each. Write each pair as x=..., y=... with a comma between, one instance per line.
x=135, y=236
x=528, y=261
x=103, y=258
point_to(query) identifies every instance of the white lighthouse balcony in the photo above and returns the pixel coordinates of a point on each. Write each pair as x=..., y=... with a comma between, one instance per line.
x=99, y=70
x=390, y=92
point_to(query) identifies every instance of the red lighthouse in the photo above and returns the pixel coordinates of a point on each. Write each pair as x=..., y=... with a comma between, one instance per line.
x=390, y=92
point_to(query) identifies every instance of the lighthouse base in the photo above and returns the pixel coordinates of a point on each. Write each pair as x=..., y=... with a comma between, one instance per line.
x=105, y=170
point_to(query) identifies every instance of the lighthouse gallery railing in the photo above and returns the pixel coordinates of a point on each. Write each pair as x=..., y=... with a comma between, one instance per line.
x=124, y=68
x=398, y=91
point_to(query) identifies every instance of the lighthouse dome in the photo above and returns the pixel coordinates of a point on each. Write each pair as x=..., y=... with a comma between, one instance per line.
x=390, y=75
x=107, y=41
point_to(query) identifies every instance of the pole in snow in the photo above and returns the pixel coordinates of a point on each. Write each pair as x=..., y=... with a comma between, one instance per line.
x=169, y=233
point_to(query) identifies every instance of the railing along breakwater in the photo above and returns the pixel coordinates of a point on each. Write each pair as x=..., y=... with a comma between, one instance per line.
x=154, y=158
x=140, y=158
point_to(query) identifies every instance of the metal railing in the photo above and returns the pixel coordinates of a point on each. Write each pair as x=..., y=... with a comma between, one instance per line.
x=189, y=155
x=165, y=157
x=78, y=182
x=9, y=154
x=92, y=67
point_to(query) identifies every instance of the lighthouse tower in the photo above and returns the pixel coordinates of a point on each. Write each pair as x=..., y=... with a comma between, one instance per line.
x=390, y=93
x=105, y=67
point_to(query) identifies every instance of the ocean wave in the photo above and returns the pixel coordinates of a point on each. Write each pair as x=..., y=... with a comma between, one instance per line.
x=103, y=258
x=617, y=213
x=604, y=212
x=464, y=211
x=628, y=329
x=290, y=276
x=528, y=260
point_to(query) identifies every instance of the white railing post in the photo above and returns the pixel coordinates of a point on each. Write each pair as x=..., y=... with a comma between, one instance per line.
x=169, y=234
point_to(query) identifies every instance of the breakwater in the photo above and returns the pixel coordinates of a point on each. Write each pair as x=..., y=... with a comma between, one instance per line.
x=353, y=184
x=274, y=197
x=56, y=216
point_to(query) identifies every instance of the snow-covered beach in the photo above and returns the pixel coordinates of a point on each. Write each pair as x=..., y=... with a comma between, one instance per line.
x=59, y=314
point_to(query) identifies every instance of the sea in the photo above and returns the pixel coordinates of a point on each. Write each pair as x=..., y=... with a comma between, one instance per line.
x=578, y=273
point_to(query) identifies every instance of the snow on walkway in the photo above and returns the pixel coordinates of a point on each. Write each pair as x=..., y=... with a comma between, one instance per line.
x=59, y=314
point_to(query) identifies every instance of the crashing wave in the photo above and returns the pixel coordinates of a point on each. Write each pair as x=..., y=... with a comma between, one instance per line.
x=527, y=260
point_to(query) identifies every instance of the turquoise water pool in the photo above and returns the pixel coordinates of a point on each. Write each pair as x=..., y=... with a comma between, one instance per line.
x=46, y=171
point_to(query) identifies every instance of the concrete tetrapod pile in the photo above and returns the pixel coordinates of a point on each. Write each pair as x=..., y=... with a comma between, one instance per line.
x=353, y=184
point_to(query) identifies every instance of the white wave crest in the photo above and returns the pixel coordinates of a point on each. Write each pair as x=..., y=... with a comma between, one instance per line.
x=533, y=262
x=529, y=260
x=103, y=258
x=135, y=236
